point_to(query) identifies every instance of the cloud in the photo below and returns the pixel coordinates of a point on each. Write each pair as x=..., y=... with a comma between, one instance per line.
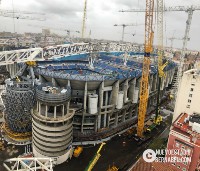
x=101, y=16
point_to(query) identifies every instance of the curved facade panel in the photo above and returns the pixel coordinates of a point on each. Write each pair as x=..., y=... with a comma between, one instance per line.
x=18, y=100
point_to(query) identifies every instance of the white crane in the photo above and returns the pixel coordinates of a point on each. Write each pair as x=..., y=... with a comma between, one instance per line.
x=52, y=28
x=22, y=15
x=189, y=10
x=123, y=28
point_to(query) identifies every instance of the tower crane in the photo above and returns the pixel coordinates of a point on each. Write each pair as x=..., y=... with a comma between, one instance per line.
x=146, y=64
x=84, y=18
x=189, y=10
x=161, y=66
x=172, y=40
x=66, y=30
x=21, y=15
x=123, y=28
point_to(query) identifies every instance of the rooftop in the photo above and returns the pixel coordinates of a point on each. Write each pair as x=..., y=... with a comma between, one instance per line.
x=188, y=127
x=141, y=165
x=111, y=67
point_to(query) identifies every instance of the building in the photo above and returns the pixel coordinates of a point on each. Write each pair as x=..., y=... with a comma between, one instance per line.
x=185, y=135
x=105, y=92
x=142, y=165
x=52, y=123
x=188, y=93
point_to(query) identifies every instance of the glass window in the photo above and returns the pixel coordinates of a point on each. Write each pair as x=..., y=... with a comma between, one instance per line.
x=189, y=101
x=191, y=89
x=188, y=106
x=190, y=95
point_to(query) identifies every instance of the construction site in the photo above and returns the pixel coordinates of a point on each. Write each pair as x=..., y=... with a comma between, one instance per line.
x=75, y=102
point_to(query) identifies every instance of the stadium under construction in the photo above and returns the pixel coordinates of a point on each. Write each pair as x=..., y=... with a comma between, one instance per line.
x=79, y=98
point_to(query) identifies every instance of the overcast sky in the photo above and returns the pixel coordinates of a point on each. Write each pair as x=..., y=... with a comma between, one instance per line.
x=101, y=16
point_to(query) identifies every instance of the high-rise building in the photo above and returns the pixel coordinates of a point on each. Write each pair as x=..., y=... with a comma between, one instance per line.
x=184, y=137
x=188, y=94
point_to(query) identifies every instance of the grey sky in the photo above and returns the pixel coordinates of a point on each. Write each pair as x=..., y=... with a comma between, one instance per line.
x=101, y=16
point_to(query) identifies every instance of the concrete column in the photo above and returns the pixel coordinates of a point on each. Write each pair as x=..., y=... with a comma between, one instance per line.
x=54, y=111
x=68, y=103
x=85, y=98
x=125, y=89
x=162, y=83
x=132, y=89
x=39, y=109
x=105, y=115
x=100, y=103
x=115, y=91
x=63, y=110
x=67, y=107
x=108, y=123
x=84, y=107
x=46, y=110
x=99, y=122
x=116, y=119
x=54, y=82
x=41, y=78
x=167, y=78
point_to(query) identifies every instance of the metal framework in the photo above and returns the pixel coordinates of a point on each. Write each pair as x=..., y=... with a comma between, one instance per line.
x=160, y=50
x=146, y=64
x=21, y=15
x=29, y=164
x=167, y=9
x=84, y=18
x=18, y=100
x=123, y=28
x=40, y=54
x=190, y=11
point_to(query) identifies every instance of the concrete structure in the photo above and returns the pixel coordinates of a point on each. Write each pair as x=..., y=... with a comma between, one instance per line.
x=52, y=123
x=115, y=85
x=185, y=135
x=188, y=93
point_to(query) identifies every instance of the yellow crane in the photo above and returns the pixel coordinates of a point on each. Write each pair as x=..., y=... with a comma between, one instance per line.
x=146, y=64
x=95, y=158
x=84, y=18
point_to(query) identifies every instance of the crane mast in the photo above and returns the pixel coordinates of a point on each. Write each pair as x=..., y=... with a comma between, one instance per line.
x=123, y=28
x=146, y=64
x=84, y=18
x=185, y=40
x=160, y=51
